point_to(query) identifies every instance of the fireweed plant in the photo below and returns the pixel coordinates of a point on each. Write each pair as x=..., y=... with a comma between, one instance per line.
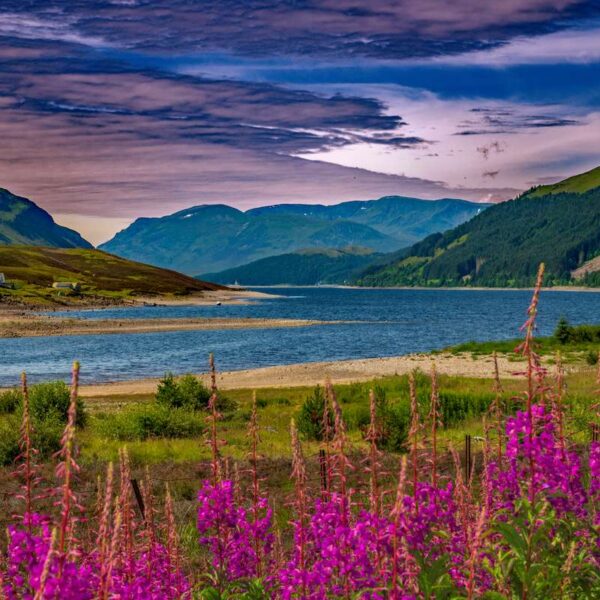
x=523, y=523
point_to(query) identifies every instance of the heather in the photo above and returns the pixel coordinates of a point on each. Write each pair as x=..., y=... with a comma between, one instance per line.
x=519, y=521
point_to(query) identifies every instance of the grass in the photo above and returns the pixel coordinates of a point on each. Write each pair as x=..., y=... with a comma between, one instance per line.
x=33, y=270
x=577, y=184
x=579, y=341
x=277, y=406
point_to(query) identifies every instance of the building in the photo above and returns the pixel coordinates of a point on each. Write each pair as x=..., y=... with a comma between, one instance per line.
x=4, y=283
x=66, y=285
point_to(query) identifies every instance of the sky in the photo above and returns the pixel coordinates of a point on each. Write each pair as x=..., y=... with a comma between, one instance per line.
x=114, y=110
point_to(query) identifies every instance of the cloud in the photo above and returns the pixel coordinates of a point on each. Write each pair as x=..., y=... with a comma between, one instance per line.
x=50, y=26
x=484, y=121
x=97, y=118
x=382, y=29
x=577, y=45
x=493, y=147
x=243, y=115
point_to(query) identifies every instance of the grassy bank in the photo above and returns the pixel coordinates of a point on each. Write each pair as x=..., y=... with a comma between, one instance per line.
x=102, y=277
x=574, y=343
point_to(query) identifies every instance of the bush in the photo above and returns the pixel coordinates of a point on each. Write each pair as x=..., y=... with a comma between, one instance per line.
x=10, y=400
x=579, y=334
x=46, y=436
x=50, y=401
x=9, y=440
x=592, y=357
x=310, y=418
x=187, y=392
x=562, y=333
x=150, y=421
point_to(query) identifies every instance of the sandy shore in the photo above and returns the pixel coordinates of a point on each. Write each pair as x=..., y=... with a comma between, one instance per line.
x=208, y=298
x=12, y=326
x=347, y=371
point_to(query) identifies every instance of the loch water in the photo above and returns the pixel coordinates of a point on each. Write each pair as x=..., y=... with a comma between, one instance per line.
x=373, y=323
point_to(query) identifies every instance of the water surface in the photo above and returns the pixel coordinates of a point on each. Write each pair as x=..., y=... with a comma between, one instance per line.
x=385, y=323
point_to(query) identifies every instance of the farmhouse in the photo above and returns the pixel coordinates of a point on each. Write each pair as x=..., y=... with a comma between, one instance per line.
x=66, y=285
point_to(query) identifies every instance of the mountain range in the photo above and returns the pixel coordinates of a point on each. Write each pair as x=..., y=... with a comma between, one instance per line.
x=312, y=266
x=24, y=223
x=556, y=224
x=461, y=243
x=217, y=237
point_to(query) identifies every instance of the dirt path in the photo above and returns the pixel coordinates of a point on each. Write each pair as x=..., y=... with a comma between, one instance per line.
x=347, y=371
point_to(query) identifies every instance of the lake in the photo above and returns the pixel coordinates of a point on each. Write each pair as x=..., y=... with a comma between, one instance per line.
x=384, y=323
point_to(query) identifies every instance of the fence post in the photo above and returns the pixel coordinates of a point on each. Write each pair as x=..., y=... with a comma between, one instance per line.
x=595, y=432
x=468, y=457
x=138, y=497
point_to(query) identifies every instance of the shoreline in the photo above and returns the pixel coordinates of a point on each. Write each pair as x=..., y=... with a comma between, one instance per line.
x=43, y=326
x=557, y=288
x=315, y=373
x=231, y=296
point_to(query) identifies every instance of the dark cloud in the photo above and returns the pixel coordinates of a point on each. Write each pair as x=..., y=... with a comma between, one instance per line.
x=496, y=121
x=249, y=115
x=494, y=147
x=381, y=28
x=491, y=174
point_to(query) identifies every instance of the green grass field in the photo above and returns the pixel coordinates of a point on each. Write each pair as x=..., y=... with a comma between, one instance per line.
x=277, y=406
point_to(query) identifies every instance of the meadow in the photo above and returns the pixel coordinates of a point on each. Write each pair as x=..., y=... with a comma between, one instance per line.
x=364, y=490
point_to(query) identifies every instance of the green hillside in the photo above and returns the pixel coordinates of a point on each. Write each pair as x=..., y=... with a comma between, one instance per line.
x=218, y=237
x=24, y=223
x=504, y=245
x=33, y=270
x=577, y=184
x=305, y=267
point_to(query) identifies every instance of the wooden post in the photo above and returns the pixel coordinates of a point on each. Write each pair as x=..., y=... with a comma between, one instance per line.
x=468, y=457
x=595, y=432
x=138, y=496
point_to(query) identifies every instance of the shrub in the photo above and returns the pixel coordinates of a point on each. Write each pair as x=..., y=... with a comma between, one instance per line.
x=310, y=418
x=187, y=392
x=10, y=400
x=562, y=333
x=579, y=334
x=592, y=357
x=9, y=440
x=50, y=401
x=137, y=423
x=45, y=438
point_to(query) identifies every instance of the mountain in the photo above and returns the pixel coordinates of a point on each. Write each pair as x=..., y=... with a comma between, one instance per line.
x=33, y=270
x=304, y=267
x=503, y=246
x=23, y=222
x=218, y=237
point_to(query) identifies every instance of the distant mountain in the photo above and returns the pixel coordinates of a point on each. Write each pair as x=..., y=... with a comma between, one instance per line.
x=304, y=267
x=23, y=222
x=217, y=237
x=557, y=224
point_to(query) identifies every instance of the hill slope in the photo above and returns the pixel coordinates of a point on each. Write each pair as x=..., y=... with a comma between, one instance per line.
x=217, y=237
x=33, y=271
x=503, y=246
x=305, y=267
x=23, y=222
